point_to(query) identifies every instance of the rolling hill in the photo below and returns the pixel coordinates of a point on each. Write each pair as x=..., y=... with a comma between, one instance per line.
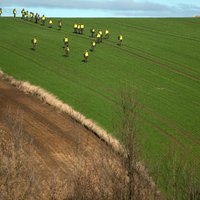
x=159, y=58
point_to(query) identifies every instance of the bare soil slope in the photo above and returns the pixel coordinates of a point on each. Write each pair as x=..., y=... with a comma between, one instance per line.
x=60, y=144
x=63, y=156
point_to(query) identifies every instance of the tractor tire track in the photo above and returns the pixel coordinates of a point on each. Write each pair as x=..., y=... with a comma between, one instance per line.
x=155, y=61
x=143, y=28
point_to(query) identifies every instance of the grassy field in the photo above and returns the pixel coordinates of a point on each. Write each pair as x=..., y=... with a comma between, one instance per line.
x=159, y=58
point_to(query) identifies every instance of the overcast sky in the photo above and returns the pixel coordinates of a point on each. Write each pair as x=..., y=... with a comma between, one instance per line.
x=106, y=8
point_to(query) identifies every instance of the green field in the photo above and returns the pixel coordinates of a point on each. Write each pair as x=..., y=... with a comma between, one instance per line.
x=159, y=58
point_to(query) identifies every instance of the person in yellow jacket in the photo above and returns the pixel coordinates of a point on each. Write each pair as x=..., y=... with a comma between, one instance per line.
x=23, y=13
x=93, y=45
x=86, y=55
x=31, y=15
x=107, y=35
x=26, y=15
x=82, y=28
x=98, y=38
x=120, y=39
x=1, y=12
x=36, y=18
x=43, y=20
x=66, y=49
x=14, y=12
x=92, y=31
x=59, y=25
x=50, y=23
x=101, y=36
x=75, y=28
x=79, y=29
x=34, y=43
x=66, y=42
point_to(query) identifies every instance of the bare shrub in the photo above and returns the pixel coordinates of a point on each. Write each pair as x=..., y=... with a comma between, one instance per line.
x=16, y=172
x=177, y=177
x=116, y=176
x=107, y=175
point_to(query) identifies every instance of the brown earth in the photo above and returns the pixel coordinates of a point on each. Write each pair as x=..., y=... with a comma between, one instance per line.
x=58, y=141
x=62, y=154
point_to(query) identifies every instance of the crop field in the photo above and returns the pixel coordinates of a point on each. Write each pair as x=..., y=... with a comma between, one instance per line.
x=159, y=58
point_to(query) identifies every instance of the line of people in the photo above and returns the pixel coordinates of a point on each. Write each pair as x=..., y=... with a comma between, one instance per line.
x=26, y=15
x=79, y=28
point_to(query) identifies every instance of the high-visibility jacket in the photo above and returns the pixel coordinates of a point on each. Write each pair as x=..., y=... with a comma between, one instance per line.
x=43, y=18
x=78, y=26
x=101, y=33
x=75, y=25
x=93, y=30
x=93, y=44
x=82, y=26
x=66, y=39
x=0, y=10
x=31, y=14
x=14, y=11
x=50, y=22
x=120, y=37
x=98, y=35
x=60, y=23
x=106, y=32
x=86, y=54
x=34, y=41
x=67, y=49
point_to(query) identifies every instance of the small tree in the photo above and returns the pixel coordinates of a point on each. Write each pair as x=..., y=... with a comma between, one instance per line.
x=128, y=135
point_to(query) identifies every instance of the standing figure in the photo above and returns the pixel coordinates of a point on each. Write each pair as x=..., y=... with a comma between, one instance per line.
x=43, y=20
x=59, y=25
x=34, y=43
x=14, y=12
x=31, y=15
x=36, y=18
x=23, y=13
x=50, y=23
x=82, y=28
x=107, y=35
x=79, y=29
x=101, y=36
x=66, y=42
x=98, y=38
x=93, y=46
x=120, y=39
x=86, y=55
x=92, y=31
x=1, y=12
x=75, y=28
x=66, y=51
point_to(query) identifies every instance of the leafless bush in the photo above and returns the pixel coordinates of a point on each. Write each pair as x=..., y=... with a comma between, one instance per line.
x=16, y=172
x=112, y=176
x=102, y=176
x=177, y=176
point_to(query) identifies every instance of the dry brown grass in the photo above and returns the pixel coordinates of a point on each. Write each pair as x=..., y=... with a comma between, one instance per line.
x=52, y=100
x=43, y=95
x=97, y=177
